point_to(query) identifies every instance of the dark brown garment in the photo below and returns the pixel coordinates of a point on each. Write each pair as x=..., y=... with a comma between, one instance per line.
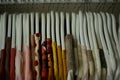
x=12, y=63
x=7, y=61
x=2, y=65
x=50, y=59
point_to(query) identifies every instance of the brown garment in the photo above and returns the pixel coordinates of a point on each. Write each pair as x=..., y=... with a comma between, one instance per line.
x=32, y=41
x=69, y=53
x=2, y=65
x=7, y=61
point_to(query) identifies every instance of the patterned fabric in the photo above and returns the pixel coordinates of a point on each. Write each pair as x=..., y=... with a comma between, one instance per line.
x=64, y=64
x=36, y=57
x=55, y=60
x=27, y=67
x=90, y=65
x=7, y=61
x=2, y=65
x=50, y=60
x=12, y=63
x=44, y=62
x=60, y=64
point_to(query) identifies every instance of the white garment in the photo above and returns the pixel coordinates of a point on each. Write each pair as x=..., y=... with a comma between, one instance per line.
x=70, y=75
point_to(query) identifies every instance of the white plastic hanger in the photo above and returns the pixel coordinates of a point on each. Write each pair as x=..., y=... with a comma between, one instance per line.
x=52, y=26
x=119, y=29
x=107, y=57
x=110, y=32
x=32, y=23
x=43, y=27
x=62, y=30
x=115, y=34
x=48, y=25
x=82, y=39
x=13, y=30
x=57, y=29
x=110, y=49
x=4, y=30
x=74, y=33
x=68, y=23
x=37, y=22
x=87, y=44
x=94, y=47
x=79, y=47
x=117, y=75
x=27, y=29
x=9, y=25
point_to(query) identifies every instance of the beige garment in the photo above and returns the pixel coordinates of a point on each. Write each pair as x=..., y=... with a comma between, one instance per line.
x=80, y=63
x=97, y=64
x=85, y=63
x=90, y=65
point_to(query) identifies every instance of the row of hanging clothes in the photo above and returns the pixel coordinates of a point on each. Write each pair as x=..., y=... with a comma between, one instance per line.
x=59, y=46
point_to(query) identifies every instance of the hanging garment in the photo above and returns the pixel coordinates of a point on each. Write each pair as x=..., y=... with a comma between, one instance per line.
x=27, y=63
x=90, y=65
x=70, y=75
x=69, y=53
x=54, y=48
x=2, y=65
x=7, y=61
x=63, y=46
x=36, y=57
x=55, y=60
x=32, y=41
x=12, y=63
x=44, y=61
x=50, y=60
x=19, y=65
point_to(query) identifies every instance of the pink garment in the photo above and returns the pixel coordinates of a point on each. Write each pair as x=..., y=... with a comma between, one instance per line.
x=18, y=66
x=27, y=66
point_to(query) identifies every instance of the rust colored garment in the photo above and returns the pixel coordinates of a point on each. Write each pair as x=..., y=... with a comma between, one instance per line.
x=32, y=41
x=7, y=61
x=50, y=60
x=44, y=62
x=12, y=64
x=2, y=65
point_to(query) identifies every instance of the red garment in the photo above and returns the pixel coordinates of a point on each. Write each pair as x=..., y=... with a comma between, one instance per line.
x=7, y=61
x=12, y=64
x=2, y=65
x=50, y=60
